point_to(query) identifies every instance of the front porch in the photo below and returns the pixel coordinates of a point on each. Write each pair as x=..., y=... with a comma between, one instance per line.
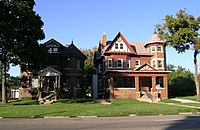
x=136, y=85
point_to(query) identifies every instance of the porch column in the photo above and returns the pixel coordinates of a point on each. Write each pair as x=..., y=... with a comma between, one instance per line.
x=166, y=87
x=153, y=79
x=137, y=83
x=41, y=83
x=56, y=82
x=111, y=88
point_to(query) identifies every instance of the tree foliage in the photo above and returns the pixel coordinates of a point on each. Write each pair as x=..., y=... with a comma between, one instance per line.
x=20, y=30
x=182, y=33
x=180, y=82
x=89, y=67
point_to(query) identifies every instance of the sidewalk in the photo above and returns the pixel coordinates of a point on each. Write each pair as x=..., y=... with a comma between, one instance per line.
x=183, y=101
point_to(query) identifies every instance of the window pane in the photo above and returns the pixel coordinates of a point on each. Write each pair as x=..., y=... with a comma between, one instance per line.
x=116, y=45
x=78, y=64
x=159, y=63
x=109, y=63
x=159, y=82
x=153, y=48
x=119, y=63
x=159, y=48
x=121, y=45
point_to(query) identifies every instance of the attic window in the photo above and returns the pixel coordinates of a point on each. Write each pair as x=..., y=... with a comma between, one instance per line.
x=121, y=45
x=116, y=46
x=52, y=49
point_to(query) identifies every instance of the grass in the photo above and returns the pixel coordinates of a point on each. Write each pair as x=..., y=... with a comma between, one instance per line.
x=85, y=107
x=194, y=98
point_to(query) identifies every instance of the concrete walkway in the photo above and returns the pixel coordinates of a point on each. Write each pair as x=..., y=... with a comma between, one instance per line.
x=183, y=101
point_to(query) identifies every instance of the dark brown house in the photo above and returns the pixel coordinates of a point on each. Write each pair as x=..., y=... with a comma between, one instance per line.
x=63, y=71
x=133, y=70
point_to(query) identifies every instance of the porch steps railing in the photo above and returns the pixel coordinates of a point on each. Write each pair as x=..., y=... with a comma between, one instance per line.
x=49, y=99
x=148, y=97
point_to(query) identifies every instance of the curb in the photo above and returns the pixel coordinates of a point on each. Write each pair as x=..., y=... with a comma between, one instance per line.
x=186, y=113
x=55, y=117
x=87, y=116
x=132, y=115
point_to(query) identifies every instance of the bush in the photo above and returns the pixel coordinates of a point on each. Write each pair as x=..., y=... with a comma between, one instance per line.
x=181, y=83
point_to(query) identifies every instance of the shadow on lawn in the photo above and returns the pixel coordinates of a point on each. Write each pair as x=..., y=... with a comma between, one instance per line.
x=23, y=102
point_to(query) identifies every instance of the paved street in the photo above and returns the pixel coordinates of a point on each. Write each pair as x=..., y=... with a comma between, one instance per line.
x=169, y=122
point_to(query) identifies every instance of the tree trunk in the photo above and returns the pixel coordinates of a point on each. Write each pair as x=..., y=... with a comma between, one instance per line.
x=196, y=75
x=4, y=87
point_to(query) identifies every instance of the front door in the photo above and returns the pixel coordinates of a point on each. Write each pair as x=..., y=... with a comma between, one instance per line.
x=145, y=84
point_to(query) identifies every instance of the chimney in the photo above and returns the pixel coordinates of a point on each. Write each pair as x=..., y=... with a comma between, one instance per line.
x=104, y=39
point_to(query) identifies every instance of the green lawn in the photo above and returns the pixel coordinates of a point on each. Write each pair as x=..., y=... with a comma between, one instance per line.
x=84, y=107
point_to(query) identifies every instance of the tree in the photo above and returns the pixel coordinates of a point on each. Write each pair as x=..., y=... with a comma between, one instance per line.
x=20, y=30
x=88, y=67
x=180, y=82
x=182, y=33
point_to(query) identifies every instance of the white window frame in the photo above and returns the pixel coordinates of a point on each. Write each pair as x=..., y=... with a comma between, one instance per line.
x=128, y=62
x=116, y=45
x=110, y=60
x=154, y=64
x=160, y=49
x=121, y=46
x=154, y=49
x=121, y=63
x=160, y=64
x=138, y=63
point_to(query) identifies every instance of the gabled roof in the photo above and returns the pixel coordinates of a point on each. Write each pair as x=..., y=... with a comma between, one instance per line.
x=145, y=67
x=52, y=42
x=139, y=48
x=73, y=50
x=125, y=41
x=49, y=72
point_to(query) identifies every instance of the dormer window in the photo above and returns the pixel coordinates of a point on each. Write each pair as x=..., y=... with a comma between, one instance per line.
x=53, y=50
x=116, y=46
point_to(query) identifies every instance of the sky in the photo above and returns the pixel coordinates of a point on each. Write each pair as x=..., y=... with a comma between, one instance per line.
x=84, y=22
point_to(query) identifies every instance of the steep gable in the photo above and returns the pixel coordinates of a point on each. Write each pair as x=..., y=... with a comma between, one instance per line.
x=73, y=50
x=120, y=44
x=52, y=43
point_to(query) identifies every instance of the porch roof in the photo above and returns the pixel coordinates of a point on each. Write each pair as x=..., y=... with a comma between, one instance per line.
x=132, y=71
x=49, y=72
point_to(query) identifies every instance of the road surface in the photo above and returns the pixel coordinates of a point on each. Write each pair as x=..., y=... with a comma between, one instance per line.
x=167, y=122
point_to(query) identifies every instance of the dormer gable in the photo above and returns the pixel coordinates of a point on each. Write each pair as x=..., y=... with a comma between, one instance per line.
x=53, y=46
x=120, y=44
x=145, y=67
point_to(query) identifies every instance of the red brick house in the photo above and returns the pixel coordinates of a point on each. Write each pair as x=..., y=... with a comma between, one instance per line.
x=131, y=69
